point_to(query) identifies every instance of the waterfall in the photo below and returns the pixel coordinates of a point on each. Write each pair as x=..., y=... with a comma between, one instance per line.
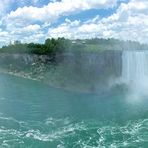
x=134, y=66
x=135, y=73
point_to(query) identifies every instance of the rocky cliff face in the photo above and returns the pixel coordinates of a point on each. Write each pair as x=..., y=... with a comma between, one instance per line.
x=23, y=58
x=99, y=63
x=90, y=69
x=87, y=70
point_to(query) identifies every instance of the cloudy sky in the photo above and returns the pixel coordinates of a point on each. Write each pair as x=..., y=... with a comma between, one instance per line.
x=36, y=20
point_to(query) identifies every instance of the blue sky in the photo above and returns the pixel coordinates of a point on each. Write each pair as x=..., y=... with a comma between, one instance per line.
x=36, y=20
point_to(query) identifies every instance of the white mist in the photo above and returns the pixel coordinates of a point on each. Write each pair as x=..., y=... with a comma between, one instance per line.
x=135, y=73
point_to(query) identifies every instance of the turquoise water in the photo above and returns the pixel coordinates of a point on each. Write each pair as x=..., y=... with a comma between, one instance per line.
x=34, y=115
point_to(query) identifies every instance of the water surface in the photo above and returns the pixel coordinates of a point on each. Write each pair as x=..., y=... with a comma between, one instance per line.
x=34, y=115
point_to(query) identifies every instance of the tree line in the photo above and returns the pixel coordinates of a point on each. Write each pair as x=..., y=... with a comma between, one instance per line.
x=50, y=47
x=53, y=46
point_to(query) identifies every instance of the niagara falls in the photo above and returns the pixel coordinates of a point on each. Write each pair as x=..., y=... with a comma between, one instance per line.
x=74, y=74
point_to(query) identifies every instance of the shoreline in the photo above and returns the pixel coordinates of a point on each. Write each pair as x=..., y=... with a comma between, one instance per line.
x=37, y=80
x=18, y=75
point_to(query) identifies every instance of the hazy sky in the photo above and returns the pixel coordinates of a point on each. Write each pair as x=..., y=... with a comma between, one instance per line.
x=36, y=20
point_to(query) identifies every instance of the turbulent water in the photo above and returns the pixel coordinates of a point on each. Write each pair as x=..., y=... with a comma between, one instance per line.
x=33, y=115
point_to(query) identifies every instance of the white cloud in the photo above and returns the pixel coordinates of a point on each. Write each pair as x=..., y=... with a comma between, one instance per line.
x=23, y=21
x=4, y=5
x=55, y=9
x=73, y=30
x=4, y=36
x=129, y=22
x=26, y=30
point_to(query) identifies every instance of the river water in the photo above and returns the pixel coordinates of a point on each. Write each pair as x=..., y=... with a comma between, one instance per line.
x=34, y=115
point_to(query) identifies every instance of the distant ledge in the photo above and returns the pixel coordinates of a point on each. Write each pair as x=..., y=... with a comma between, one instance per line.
x=25, y=76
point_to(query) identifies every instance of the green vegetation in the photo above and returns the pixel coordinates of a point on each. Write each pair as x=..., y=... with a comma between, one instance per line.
x=53, y=46
x=50, y=47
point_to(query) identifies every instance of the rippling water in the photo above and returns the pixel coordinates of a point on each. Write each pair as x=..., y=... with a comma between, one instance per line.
x=34, y=115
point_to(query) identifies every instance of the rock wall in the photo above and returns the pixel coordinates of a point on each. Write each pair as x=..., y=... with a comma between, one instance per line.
x=80, y=70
